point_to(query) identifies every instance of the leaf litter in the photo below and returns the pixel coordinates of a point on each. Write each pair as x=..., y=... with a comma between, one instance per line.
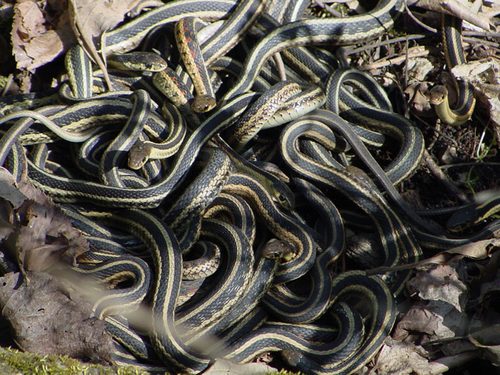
x=447, y=323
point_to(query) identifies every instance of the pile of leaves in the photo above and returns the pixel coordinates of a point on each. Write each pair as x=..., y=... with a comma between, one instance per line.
x=452, y=316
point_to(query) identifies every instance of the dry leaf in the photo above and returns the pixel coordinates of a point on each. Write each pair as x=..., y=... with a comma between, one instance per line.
x=89, y=19
x=223, y=367
x=419, y=68
x=476, y=250
x=45, y=320
x=37, y=40
x=440, y=283
x=42, y=30
x=436, y=320
x=419, y=101
x=397, y=357
x=442, y=316
x=44, y=237
x=95, y=17
x=40, y=236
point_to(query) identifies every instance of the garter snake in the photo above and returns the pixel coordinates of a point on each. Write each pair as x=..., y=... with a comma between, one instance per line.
x=79, y=68
x=141, y=61
x=397, y=242
x=128, y=36
x=144, y=150
x=343, y=355
x=166, y=285
x=236, y=210
x=261, y=280
x=486, y=204
x=66, y=190
x=196, y=316
x=234, y=27
x=377, y=115
x=251, y=199
x=281, y=225
x=279, y=300
x=451, y=30
x=116, y=151
x=111, y=270
x=192, y=58
x=315, y=31
x=342, y=127
x=185, y=213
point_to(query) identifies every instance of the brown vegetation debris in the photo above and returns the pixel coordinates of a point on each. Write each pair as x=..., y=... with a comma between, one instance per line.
x=42, y=30
x=39, y=34
x=36, y=233
x=398, y=357
x=46, y=319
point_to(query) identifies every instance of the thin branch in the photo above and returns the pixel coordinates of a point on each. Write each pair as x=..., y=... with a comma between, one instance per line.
x=454, y=8
x=418, y=51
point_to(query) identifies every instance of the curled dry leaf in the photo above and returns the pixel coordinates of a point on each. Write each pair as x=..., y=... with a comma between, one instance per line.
x=95, y=17
x=222, y=366
x=398, y=357
x=435, y=320
x=419, y=68
x=45, y=319
x=419, y=101
x=441, y=313
x=38, y=36
x=42, y=30
x=36, y=233
x=441, y=283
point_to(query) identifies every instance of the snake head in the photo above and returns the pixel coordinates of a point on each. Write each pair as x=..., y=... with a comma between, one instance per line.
x=274, y=249
x=438, y=94
x=203, y=103
x=138, y=155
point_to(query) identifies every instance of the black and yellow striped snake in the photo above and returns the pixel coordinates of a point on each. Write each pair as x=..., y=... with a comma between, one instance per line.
x=208, y=182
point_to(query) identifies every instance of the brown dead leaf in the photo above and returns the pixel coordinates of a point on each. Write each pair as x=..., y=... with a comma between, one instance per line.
x=419, y=101
x=36, y=37
x=95, y=17
x=46, y=320
x=222, y=367
x=419, y=68
x=42, y=30
x=397, y=357
x=435, y=320
x=41, y=236
x=45, y=237
x=90, y=18
x=442, y=315
x=476, y=250
x=440, y=283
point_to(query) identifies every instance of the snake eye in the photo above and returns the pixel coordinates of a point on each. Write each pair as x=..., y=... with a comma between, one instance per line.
x=282, y=201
